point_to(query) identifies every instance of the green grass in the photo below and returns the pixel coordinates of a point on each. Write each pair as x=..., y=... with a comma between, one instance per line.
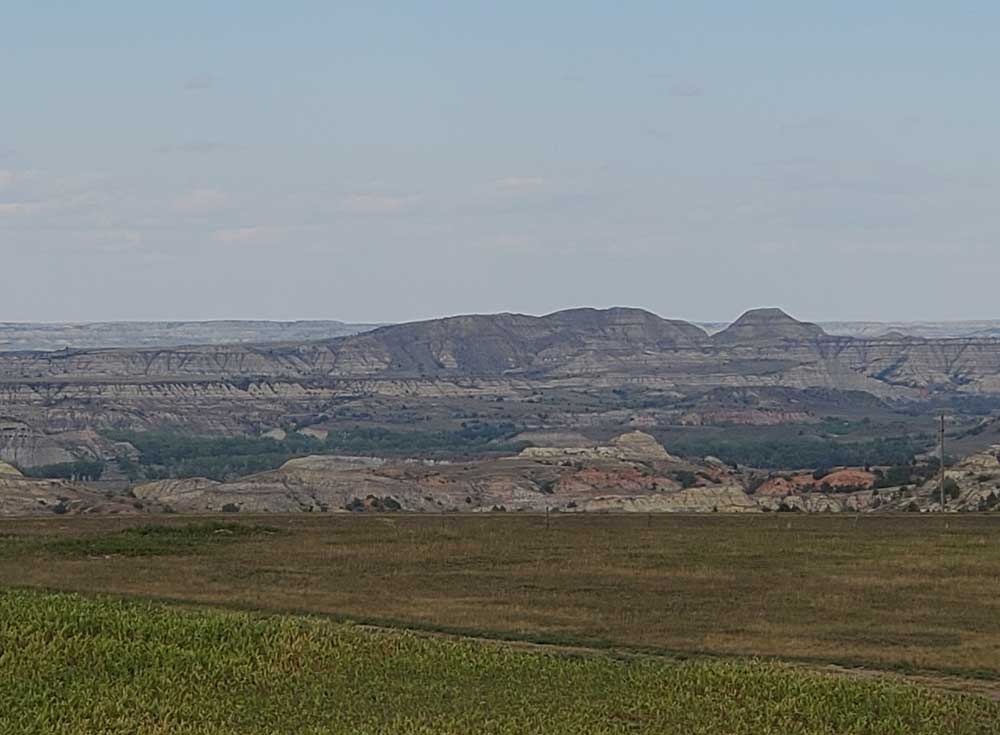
x=72, y=664
x=154, y=540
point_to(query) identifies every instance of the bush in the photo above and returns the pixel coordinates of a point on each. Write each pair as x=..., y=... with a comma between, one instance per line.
x=376, y=504
x=901, y=474
x=686, y=478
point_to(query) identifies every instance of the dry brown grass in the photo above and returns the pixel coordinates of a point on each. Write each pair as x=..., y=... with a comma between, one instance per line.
x=906, y=592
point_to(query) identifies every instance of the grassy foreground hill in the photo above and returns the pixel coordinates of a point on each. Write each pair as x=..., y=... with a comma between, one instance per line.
x=72, y=664
x=911, y=593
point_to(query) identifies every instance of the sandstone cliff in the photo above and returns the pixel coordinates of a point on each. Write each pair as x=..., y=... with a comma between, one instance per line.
x=24, y=497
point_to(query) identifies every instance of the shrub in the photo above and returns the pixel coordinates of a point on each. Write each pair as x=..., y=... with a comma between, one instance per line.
x=686, y=478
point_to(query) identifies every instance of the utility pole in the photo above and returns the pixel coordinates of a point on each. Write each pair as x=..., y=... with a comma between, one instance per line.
x=941, y=458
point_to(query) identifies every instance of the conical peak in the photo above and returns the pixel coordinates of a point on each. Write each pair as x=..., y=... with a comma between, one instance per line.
x=768, y=325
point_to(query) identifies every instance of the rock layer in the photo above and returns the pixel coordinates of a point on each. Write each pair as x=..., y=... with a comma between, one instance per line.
x=565, y=479
x=251, y=389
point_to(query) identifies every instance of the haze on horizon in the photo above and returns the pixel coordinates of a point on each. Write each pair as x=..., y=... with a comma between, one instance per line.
x=383, y=162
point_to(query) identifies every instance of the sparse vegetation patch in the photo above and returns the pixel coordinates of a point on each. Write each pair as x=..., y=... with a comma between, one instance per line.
x=155, y=539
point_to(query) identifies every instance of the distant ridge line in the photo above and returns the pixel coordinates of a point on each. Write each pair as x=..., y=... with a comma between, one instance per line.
x=54, y=336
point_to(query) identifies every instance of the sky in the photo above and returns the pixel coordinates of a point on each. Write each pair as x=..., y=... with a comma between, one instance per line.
x=383, y=161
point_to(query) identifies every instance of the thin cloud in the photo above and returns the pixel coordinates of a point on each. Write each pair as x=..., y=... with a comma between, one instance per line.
x=239, y=234
x=677, y=87
x=18, y=209
x=685, y=89
x=656, y=133
x=377, y=203
x=202, y=200
x=113, y=239
x=520, y=183
x=909, y=123
x=256, y=233
x=201, y=81
x=811, y=122
x=198, y=147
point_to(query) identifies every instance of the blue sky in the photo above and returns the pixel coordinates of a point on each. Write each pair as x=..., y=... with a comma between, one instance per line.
x=389, y=161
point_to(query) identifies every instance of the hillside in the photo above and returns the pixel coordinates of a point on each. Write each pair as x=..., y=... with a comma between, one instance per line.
x=601, y=371
x=611, y=347
x=875, y=329
x=629, y=473
x=87, y=664
x=54, y=336
x=764, y=326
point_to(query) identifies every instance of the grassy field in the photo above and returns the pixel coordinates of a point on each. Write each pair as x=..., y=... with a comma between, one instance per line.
x=907, y=593
x=72, y=665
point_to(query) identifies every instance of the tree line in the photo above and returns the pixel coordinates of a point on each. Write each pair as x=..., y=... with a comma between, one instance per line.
x=168, y=455
x=801, y=453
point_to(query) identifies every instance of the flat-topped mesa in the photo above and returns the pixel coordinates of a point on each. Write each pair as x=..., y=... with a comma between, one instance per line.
x=768, y=325
x=488, y=344
x=616, y=323
x=638, y=445
x=628, y=325
x=635, y=446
